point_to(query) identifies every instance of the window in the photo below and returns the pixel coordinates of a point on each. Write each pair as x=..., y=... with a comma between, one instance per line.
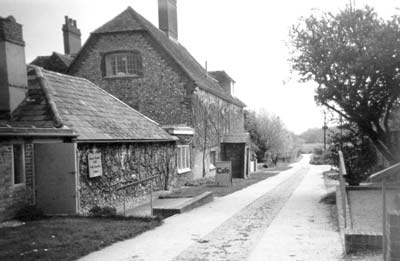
x=226, y=125
x=183, y=158
x=123, y=64
x=213, y=156
x=18, y=164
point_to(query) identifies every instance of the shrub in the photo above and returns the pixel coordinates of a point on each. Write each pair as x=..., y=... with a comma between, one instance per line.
x=28, y=213
x=318, y=151
x=321, y=159
x=109, y=211
x=106, y=211
x=95, y=211
x=359, y=154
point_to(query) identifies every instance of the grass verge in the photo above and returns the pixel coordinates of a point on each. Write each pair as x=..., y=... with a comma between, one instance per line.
x=208, y=184
x=67, y=238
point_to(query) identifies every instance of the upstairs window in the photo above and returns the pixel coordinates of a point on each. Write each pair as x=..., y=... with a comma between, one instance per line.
x=123, y=64
x=183, y=158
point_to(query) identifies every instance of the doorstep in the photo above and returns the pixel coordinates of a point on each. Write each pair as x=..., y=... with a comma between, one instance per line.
x=165, y=207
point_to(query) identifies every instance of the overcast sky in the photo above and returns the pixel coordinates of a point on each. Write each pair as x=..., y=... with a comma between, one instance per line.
x=246, y=38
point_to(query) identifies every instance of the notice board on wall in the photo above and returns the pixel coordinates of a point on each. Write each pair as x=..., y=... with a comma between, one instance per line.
x=95, y=167
x=223, y=175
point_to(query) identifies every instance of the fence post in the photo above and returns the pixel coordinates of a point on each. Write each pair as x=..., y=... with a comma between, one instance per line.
x=151, y=197
x=342, y=184
x=384, y=234
x=124, y=203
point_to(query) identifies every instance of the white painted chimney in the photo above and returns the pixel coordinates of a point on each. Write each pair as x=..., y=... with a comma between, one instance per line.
x=13, y=76
x=168, y=18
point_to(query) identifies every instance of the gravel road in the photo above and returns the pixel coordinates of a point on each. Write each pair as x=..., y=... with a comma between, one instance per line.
x=234, y=239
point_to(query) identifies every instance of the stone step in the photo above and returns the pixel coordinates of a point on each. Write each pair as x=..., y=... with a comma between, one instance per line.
x=190, y=203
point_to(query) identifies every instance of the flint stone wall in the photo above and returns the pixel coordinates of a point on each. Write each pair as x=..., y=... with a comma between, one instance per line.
x=123, y=164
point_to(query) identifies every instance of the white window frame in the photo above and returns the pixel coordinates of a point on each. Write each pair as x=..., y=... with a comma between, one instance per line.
x=212, y=166
x=23, y=178
x=183, y=158
x=111, y=61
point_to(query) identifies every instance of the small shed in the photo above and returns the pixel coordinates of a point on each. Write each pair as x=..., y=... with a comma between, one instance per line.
x=110, y=145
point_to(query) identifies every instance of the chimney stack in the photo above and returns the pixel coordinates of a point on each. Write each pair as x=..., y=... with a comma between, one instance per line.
x=167, y=18
x=13, y=75
x=72, y=36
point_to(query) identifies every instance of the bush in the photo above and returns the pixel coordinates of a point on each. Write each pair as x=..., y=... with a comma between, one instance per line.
x=359, y=154
x=28, y=213
x=106, y=211
x=324, y=158
x=109, y=211
x=318, y=151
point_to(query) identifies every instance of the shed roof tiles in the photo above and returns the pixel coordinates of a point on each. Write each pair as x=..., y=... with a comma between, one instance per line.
x=57, y=100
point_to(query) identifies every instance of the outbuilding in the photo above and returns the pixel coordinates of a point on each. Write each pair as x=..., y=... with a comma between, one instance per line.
x=67, y=145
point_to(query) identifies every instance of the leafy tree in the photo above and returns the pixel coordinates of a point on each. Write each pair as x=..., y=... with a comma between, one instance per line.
x=354, y=57
x=359, y=154
x=269, y=135
x=314, y=135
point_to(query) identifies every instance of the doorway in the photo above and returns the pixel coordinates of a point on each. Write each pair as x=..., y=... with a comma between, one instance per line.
x=56, y=178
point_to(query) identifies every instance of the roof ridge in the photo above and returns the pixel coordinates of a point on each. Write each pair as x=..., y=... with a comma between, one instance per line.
x=217, y=92
x=104, y=91
x=53, y=106
x=115, y=98
x=180, y=55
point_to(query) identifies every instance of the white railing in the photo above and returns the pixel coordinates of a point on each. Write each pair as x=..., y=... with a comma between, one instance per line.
x=342, y=183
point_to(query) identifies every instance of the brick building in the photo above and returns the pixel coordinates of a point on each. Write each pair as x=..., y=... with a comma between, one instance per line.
x=151, y=71
x=66, y=145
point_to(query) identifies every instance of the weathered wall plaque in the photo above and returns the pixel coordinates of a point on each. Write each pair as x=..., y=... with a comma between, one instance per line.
x=223, y=175
x=95, y=167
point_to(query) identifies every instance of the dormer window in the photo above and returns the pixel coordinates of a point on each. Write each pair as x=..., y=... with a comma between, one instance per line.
x=123, y=64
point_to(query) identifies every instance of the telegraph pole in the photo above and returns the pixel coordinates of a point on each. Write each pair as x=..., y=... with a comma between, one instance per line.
x=325, y=128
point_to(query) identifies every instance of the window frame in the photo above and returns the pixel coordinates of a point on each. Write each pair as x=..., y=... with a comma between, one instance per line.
x=212, y=165
x=183, y=152
x=110, y=59
x=23, y=170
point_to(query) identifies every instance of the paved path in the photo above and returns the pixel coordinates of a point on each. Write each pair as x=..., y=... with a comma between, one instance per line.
x=234, y=239
x=235, y=226
x=302, y=230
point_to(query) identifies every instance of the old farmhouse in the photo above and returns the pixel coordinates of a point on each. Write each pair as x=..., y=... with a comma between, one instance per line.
x=147, y=68
x=71, y=134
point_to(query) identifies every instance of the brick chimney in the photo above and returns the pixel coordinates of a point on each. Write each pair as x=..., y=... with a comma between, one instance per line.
x=167, y=18
x=72, y=36
x=13, y=76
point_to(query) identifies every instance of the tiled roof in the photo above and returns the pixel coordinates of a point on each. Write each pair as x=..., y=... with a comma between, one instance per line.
x=41, y=60
x=65, y=58
x=130, y=20
x=217, y=74
x=236, y=138
x=58, y=100
x=55, y=62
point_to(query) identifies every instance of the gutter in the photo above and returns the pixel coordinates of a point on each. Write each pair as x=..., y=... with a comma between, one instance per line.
x=125, y=141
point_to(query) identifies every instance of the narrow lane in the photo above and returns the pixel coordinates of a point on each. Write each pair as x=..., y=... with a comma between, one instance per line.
x=234, y=239
x=303, y=229
x=230, y=226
